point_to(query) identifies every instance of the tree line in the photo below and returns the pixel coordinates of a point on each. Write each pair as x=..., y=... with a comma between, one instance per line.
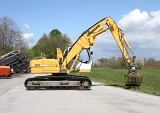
x=11, y=39
x=119, y=63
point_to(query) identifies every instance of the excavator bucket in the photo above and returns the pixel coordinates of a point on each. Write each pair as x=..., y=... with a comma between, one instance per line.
x=133, y=79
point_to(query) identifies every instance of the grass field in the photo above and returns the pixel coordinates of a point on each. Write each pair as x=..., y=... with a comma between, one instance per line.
x=150, y=78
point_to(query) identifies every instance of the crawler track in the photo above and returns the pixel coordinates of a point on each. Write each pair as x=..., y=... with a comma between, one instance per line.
x=68, y=82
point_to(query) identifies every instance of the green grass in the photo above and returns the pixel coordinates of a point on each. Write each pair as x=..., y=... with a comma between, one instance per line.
x=150, y=78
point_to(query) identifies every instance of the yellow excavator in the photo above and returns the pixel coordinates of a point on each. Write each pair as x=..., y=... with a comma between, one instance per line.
x=70, y=61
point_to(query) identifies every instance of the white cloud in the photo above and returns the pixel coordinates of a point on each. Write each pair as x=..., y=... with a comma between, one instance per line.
x=134, y=20
x=147, y=30
x=154, y=22
x=27, y=26
x=29, y=38
x=28, y=35
x=142, y=31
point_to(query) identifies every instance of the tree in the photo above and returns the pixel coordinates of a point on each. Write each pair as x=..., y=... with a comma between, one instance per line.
x=103, y=62
x=58, y=40
x=112, y=62
x=27, y=52
x=55, y=32
x=48, y=44
x=150, y=63
x=96, y=64
x=140, y=62
x=120, y=63
x=10, y=36
x=42, y=46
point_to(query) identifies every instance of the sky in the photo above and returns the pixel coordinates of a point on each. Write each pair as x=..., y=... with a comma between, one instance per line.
x=138, y=19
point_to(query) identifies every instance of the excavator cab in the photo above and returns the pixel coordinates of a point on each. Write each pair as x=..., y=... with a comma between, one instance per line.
x=85, y=61
x=82, y=62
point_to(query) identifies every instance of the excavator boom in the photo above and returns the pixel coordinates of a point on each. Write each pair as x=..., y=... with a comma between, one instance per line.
x=87, y=39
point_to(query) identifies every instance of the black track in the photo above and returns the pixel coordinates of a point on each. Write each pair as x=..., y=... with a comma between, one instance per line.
x=59, y=78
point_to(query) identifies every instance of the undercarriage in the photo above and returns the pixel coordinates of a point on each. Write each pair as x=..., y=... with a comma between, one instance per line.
x=51, y=82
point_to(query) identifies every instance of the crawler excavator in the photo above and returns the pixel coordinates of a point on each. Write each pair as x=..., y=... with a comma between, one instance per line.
x=69, y=61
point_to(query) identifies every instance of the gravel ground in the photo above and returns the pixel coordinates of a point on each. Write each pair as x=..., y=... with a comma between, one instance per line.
x=14, y=98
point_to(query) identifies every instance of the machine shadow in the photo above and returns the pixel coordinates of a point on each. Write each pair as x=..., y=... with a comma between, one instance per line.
x=101, y=84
